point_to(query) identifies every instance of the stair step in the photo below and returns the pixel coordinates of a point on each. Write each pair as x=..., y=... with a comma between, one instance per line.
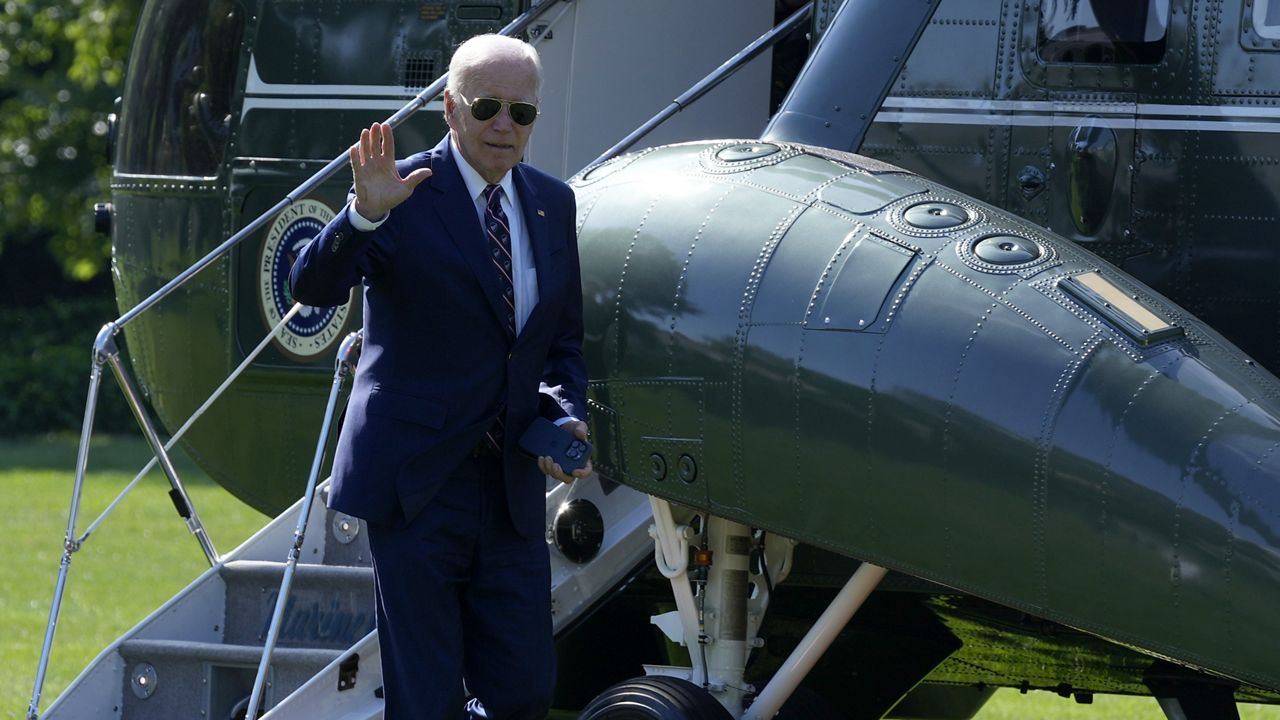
x=174, y=667
x=163, y=650
x=305, y=574
x=329, y=606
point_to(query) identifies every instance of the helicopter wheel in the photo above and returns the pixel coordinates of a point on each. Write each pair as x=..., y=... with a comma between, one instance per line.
x=655, y=698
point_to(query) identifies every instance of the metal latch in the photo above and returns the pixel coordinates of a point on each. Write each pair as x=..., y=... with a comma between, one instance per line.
x=347, y=671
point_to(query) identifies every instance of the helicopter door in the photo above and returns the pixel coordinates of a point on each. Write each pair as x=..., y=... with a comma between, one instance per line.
x=1092, y=58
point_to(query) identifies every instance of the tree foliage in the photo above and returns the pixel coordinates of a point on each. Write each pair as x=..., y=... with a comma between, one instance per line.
x=61, y=67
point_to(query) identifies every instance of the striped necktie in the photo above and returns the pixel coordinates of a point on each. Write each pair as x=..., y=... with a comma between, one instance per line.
x=498, y=230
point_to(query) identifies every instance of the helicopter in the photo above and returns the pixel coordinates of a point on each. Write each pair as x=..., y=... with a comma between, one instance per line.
x=816, y=365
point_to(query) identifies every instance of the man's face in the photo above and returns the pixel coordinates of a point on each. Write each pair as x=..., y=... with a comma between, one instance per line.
x=492, y=146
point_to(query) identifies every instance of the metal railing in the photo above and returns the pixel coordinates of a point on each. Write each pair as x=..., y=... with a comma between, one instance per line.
x=345, y=367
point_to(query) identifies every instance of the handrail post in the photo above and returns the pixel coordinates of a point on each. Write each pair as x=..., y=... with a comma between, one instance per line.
x=70, y=544
x=177, y=493
x=348, y=357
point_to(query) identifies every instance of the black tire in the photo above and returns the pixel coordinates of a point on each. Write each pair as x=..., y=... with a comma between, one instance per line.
x=655, y=698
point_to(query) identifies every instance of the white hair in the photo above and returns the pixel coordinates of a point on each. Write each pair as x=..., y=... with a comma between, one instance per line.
x=483, y=49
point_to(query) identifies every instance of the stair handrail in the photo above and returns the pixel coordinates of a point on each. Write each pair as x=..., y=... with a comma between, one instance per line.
x=196, y=415
x=344, y=367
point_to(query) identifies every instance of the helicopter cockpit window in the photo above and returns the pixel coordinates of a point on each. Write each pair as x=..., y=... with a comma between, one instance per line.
x=177, y=98
x=1266, y=19
x=1119, y=32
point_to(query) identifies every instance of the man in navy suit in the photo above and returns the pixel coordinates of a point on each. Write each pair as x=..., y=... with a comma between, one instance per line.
x=473, y=328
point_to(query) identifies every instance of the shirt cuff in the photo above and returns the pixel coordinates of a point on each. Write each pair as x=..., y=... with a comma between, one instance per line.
x=359, y=222
x=566, y=419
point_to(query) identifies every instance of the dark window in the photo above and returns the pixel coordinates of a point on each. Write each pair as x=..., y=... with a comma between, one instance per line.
x=1119, y=32
x=177, y=96
x=1266, y=18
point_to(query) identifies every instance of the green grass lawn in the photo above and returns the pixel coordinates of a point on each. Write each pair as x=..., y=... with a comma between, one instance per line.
x=143, y=554
x=1010, y=705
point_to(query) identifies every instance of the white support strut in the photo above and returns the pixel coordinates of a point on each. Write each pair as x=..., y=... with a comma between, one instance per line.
x=815, y=642
x=671, y=553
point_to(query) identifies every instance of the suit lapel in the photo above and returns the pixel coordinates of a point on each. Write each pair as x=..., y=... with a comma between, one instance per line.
x=535, y=222
x=457, y=212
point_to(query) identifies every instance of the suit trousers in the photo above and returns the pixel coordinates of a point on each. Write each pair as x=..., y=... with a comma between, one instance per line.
x=461, y=595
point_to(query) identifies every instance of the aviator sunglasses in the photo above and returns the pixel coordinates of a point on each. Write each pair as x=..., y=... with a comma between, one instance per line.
x=522, y=113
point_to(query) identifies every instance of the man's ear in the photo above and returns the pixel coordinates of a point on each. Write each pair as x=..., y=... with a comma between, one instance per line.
x=449, y=106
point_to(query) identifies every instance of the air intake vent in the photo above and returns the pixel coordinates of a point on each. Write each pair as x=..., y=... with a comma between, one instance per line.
x=419, y=71
x=1124, y=309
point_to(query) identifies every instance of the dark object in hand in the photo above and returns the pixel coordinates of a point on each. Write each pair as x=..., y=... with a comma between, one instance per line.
x=545, y=439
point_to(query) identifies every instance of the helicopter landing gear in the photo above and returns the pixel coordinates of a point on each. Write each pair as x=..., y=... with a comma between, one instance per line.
x=722, y=590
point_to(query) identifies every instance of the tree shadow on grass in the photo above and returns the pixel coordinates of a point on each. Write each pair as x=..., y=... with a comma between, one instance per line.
x=107, y=453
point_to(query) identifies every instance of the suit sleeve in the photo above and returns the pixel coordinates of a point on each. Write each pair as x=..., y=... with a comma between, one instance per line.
x=336, y=260
x=564, y=379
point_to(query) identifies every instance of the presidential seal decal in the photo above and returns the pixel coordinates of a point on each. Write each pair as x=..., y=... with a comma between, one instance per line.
x=313, y=329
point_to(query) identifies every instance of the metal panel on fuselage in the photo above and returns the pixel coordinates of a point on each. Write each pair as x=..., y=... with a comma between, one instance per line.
x=1234, y=260
x=1185, y=199
x=993, y=416
x=956, y=66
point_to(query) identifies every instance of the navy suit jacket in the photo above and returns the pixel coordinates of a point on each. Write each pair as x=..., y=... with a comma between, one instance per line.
x=438, y=365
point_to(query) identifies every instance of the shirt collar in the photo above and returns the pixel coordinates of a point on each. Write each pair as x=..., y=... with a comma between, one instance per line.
x=476, y=184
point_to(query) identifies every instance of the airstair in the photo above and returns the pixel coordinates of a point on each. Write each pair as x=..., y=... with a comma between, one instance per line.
x=197, y=655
